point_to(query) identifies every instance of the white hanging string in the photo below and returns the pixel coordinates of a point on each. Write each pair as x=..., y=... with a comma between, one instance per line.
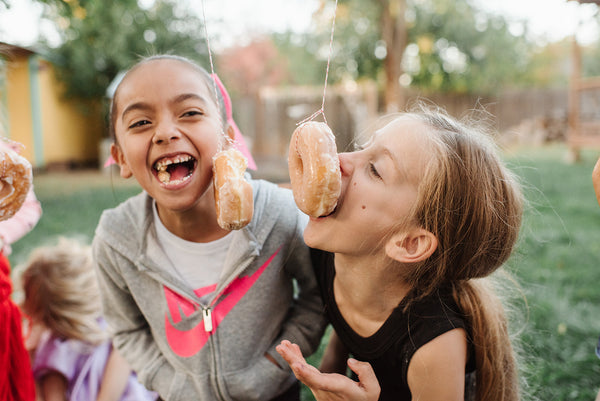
x=212, y=71
x=309, y=118
x=322, y=109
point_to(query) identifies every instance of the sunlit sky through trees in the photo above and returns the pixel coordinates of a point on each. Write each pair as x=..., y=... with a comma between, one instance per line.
x=230, y=20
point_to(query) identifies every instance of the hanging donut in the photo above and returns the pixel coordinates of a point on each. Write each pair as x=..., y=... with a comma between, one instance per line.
x=15, y=180
x=314, y=169
x=233, y=194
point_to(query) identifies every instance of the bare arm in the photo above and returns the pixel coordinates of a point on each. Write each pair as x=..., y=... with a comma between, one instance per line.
x=116, y=374
x=53, y=387
x=441, y=361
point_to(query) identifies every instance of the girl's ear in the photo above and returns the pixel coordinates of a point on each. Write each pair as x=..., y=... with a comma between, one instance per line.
x=413, y=246
x=117, y=155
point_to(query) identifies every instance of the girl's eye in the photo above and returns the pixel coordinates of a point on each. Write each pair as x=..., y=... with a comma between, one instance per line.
x=192, y=113
x=374, y=170
x=139, y=124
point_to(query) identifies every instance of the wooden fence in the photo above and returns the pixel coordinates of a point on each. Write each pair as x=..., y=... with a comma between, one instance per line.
x=269, y=119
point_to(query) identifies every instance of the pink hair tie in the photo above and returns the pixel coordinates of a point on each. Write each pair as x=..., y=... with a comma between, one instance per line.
x=239, y=141
x=109, y=162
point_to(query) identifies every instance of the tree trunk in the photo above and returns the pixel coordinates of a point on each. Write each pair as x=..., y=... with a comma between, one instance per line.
x=395, y=36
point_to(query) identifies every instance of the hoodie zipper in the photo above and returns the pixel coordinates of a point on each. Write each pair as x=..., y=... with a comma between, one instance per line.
x=207, y=318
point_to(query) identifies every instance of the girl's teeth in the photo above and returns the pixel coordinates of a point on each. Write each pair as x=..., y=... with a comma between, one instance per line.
x=164, y=176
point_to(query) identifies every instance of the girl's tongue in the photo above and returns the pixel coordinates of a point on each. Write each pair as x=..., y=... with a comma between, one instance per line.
x=178, y=171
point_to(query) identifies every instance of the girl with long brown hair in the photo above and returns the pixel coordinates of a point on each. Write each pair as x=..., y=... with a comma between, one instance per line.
x=428, y=211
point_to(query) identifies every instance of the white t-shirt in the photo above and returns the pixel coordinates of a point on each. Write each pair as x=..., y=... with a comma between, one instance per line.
x=198, y=264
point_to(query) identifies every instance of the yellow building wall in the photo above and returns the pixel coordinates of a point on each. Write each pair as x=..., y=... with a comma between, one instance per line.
x=71, y=130
x=68, y=132
x=18, y=122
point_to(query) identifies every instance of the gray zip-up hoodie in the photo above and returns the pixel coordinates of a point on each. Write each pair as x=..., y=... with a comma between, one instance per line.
x=186, y=349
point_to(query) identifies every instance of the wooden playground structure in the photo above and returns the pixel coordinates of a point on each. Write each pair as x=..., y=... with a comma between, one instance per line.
x=584, y=103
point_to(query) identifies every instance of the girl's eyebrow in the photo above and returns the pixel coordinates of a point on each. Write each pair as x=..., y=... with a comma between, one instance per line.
x=135, y=106
x=398, y=164
x=185, y=96
x=392, y=157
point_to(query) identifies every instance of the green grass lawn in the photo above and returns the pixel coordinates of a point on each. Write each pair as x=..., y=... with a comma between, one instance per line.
x=556, y=263
x=72, y=204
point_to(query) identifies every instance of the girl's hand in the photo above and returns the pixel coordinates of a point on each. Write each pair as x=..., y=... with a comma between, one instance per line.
x=596, y=180
x=332, y=386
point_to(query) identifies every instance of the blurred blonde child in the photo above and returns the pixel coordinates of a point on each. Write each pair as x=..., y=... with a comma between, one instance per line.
x=72, y=356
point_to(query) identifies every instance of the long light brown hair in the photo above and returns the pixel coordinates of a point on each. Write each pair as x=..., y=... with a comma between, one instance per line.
x=473, y=204
x=60, y=291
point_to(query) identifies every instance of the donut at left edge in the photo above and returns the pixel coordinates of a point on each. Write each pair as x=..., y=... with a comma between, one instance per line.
x=16, y=178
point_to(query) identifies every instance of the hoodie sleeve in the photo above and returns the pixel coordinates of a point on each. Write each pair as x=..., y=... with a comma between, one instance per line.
x=306, y=321
x=131, y=334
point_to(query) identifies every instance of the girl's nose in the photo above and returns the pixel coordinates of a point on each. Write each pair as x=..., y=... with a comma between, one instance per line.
x=165, y=133
x=346, y=166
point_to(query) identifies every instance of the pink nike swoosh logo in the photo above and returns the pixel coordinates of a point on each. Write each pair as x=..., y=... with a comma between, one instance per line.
x=186, y=343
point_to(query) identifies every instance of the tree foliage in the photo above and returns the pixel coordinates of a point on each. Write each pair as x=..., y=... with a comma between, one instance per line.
x=102, y=37
x=462, y=49
x=246, y=68
x=452, y=45
x=355, y=38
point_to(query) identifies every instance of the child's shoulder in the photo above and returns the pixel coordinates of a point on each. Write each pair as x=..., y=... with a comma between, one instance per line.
x=132, y=203
x=131, y=212
x=275, y=203
x=268, y=192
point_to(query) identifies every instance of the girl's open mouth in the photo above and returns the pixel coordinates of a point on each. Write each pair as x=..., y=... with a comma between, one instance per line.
x=174, y=170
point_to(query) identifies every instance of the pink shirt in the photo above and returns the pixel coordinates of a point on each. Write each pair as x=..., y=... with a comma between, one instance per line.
x=21, y=223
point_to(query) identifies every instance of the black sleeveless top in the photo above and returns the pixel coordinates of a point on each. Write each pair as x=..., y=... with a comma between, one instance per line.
x=391, y=348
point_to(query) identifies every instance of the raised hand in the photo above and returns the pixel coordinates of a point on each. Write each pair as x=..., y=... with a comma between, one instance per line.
x=332, y=386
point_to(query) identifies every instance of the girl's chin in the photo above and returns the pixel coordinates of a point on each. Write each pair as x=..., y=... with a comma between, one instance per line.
x=313, y=238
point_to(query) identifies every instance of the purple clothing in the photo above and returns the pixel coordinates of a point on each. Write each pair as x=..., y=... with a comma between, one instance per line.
x=82, y=365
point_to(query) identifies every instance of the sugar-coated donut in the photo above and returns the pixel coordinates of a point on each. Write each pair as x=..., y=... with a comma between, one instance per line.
x=233, y=194
x=314, y=169
x=15, y=180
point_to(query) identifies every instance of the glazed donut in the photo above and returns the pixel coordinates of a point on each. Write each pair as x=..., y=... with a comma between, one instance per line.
x=314, y=169
x=233, y=194
x=15, y=180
